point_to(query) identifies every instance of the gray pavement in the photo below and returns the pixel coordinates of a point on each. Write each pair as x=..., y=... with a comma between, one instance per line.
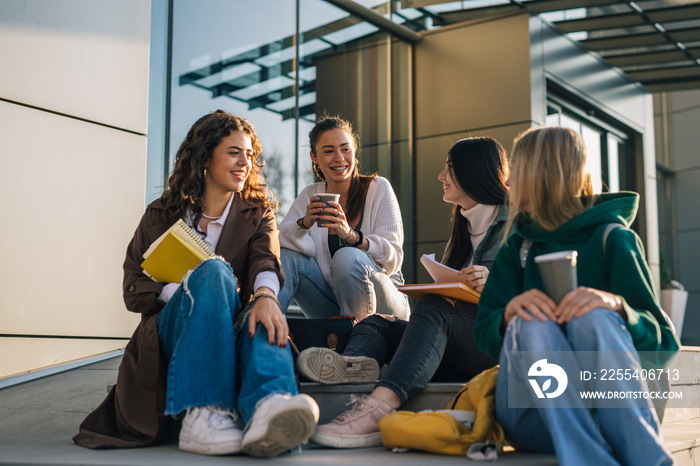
x=39, y=418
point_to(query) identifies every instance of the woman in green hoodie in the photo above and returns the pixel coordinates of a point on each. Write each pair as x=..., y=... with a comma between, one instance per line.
x=605, y=326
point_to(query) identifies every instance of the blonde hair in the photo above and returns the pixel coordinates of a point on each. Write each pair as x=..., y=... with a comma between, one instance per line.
x=548, y=169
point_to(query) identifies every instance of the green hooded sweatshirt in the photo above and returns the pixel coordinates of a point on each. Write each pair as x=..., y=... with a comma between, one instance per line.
x=623, y=271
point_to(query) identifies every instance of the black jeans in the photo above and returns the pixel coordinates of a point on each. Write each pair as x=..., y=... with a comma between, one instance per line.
x=436, y=344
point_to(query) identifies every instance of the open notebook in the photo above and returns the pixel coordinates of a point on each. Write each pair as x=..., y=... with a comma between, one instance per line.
x=448, y=283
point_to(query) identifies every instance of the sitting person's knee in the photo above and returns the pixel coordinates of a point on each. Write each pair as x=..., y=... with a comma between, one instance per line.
x=210, y=268
x=349, y=263
x=430, y=304
x=596, y=321
x=378, y=321
x=530, y=329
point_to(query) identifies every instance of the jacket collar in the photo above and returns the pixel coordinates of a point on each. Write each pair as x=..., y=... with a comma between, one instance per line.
x=238, y=228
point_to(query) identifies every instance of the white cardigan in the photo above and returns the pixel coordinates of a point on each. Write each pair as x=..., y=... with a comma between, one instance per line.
x=381, y=226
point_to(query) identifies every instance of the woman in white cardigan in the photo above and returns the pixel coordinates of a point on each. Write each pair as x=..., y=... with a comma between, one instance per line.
x=351, y=265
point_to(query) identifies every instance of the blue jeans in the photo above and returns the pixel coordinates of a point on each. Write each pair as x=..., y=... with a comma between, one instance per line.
x=211, y=361
x=361, y=287
x=578, y=432
x=436, y=344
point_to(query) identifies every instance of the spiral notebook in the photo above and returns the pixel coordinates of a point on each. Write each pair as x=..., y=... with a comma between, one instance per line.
x=175, y=252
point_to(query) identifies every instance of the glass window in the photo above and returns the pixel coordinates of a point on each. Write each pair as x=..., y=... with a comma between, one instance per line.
x=225, y=57
x=282, y=64
x=593, y=162
x=613, y=163
x=606, y=149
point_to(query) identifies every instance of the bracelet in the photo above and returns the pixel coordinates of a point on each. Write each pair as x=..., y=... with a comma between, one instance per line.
x=261, y=293
x=300, y=222
x=360, y=239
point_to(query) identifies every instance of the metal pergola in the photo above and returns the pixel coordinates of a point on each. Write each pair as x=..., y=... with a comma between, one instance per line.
x=654, y=42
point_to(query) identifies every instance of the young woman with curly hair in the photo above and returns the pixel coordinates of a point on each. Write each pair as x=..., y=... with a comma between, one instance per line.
x=211, y=349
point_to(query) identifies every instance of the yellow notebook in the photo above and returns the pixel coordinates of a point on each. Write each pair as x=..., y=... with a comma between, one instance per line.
x=451, y=290
x=175, y=252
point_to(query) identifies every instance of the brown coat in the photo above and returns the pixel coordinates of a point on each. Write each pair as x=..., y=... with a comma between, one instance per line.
x=132, y=415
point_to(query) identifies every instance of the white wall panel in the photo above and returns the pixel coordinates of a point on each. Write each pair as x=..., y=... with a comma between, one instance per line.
x=687, y=192
x=21, y=355
x=684, y=99
x=685, y=140
x=73, y=196
x=85, y=58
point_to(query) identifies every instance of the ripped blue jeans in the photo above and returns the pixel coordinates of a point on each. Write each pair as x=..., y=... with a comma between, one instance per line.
x=211, y=361
x=577, y=433
x=360, y=288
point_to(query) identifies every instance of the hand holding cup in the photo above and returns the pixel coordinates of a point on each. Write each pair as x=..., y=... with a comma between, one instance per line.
x=558, y=271
x=326, y=209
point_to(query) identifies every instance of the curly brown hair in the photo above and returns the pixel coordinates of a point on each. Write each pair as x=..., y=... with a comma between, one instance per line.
x=186, y=184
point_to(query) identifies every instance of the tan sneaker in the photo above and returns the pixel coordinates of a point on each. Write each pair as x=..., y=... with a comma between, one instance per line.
x=324, y=365
x=356, y=427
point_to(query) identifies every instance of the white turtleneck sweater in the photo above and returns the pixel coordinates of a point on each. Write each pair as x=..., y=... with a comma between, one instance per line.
x=480, y=217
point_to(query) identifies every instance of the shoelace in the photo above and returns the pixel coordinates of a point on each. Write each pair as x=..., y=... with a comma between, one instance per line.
x=222, y=418
x=359, y=404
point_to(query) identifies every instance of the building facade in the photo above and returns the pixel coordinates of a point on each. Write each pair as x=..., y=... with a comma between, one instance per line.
x=100, y=94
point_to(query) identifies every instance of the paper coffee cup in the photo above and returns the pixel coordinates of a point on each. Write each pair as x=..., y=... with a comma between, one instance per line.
x=326, y=198
x=558, y=271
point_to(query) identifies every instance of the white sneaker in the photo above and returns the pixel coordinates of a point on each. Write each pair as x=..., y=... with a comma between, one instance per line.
x=211, y=430
x=327, y=366
x=280, y=422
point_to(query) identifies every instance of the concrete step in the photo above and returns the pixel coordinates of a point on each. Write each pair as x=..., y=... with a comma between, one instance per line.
x=686, y=367
x=333, y=399
x=682, y=438
x=681, y=419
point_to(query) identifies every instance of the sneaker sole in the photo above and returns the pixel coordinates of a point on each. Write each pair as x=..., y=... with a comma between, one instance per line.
x=226, y=448
x=328, y=367
x=285, y=431
x=348, y=441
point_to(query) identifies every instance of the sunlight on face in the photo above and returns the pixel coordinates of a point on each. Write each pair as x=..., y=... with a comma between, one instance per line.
x=230, y=164
x=335, y=155
x=452, y=191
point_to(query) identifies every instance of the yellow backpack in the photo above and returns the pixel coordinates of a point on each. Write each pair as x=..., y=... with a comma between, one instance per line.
x=444, y=432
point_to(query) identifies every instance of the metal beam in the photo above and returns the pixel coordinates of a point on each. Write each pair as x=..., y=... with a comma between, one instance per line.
x=684, y=73
x=637, y=59
x=377, y=20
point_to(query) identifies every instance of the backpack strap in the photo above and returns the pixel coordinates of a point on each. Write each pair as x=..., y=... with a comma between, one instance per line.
x=524, y=251
x=608, y=228
x=525, y=247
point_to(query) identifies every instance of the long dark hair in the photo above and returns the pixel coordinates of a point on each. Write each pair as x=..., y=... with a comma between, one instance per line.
x=359, y=184
x=480, y=167
x=186, y=184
